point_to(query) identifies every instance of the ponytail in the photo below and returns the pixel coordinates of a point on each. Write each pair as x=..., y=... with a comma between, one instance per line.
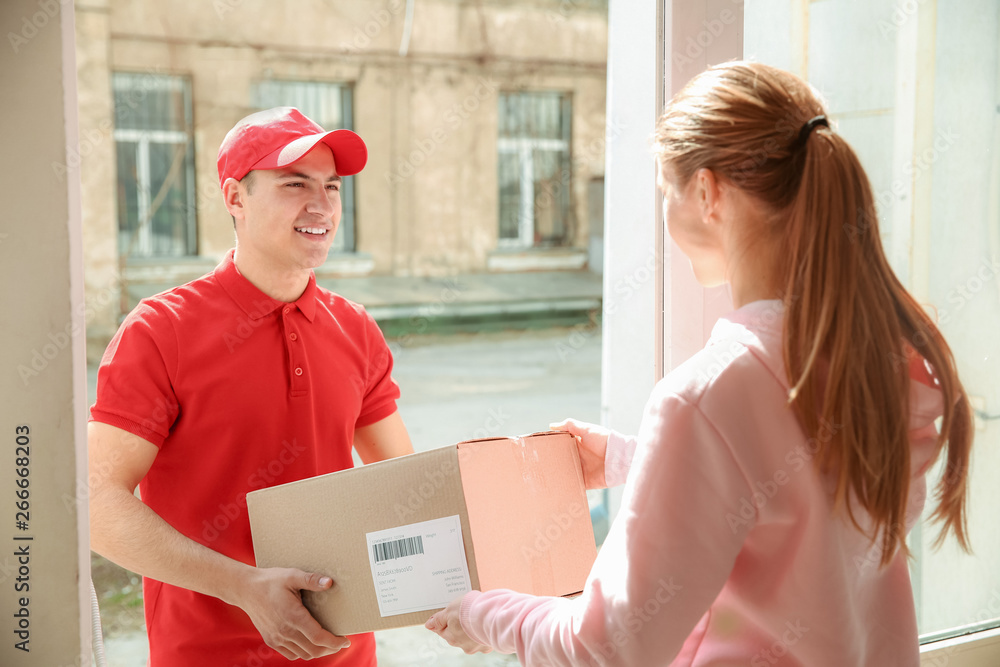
x=851, y=330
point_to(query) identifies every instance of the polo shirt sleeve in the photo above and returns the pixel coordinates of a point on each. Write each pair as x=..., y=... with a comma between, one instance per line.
x=134, y=390
x=381, y=391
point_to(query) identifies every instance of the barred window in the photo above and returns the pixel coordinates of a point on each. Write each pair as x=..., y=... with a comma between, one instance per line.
x=155, y=156
x=534, y=169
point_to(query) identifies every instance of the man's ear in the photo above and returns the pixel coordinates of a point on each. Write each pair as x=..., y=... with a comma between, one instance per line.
x=233, y=195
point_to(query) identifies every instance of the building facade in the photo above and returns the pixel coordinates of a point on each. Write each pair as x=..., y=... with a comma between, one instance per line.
x=485, y=124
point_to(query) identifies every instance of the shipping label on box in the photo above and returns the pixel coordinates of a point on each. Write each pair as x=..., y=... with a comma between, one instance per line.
x=402, y=538
x=418, y=566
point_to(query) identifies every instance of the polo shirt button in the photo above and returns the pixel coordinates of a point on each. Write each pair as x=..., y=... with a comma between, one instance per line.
x=298, y=371
x=293, y=336
x=287, y=310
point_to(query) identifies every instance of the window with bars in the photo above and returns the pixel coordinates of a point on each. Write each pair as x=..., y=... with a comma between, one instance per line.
x=329, y=105
x=534, y=169
x=155, y=158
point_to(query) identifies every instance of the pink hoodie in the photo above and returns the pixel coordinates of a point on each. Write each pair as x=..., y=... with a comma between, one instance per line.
x=726, y=550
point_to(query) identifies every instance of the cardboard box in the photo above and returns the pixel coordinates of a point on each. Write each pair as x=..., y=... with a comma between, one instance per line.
x=519, y=506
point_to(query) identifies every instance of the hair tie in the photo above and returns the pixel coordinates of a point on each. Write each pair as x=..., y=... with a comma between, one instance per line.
x=807, y=130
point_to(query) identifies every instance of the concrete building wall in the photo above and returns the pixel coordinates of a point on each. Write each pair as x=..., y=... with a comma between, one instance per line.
x=427, y=202
x=95, y=167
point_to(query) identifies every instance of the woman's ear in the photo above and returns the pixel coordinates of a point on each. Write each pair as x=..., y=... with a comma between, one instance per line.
x=708, y=195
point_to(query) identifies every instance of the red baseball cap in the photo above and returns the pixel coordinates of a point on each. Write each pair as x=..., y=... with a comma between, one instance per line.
x=278, y=137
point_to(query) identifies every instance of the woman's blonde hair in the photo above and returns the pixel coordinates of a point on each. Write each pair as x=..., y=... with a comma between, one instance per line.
x=851, y=330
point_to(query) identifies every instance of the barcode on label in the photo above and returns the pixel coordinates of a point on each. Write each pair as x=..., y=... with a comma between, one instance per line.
x=408, y=546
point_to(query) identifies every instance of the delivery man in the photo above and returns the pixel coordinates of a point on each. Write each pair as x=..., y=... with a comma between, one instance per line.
x=248, y=377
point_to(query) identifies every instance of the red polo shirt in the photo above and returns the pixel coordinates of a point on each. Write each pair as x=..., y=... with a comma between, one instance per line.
x=240, y=392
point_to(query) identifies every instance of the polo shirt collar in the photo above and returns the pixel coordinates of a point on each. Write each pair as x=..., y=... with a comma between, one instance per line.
x=307, y=302
x=255, y=303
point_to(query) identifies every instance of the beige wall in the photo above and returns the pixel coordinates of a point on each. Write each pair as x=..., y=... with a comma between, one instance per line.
x=44, y=559
x=427, y=201
x=95, y=166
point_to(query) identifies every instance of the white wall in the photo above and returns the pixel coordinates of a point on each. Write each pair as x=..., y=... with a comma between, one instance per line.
x=655, y=313
x=629, y=215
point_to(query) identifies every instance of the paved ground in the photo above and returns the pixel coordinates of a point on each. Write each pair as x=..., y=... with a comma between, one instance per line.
x=459, y=387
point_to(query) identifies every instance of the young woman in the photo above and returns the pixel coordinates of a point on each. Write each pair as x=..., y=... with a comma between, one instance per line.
x=776, y=473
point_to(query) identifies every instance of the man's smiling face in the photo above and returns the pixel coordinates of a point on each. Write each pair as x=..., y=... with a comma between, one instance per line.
x=291, y=214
